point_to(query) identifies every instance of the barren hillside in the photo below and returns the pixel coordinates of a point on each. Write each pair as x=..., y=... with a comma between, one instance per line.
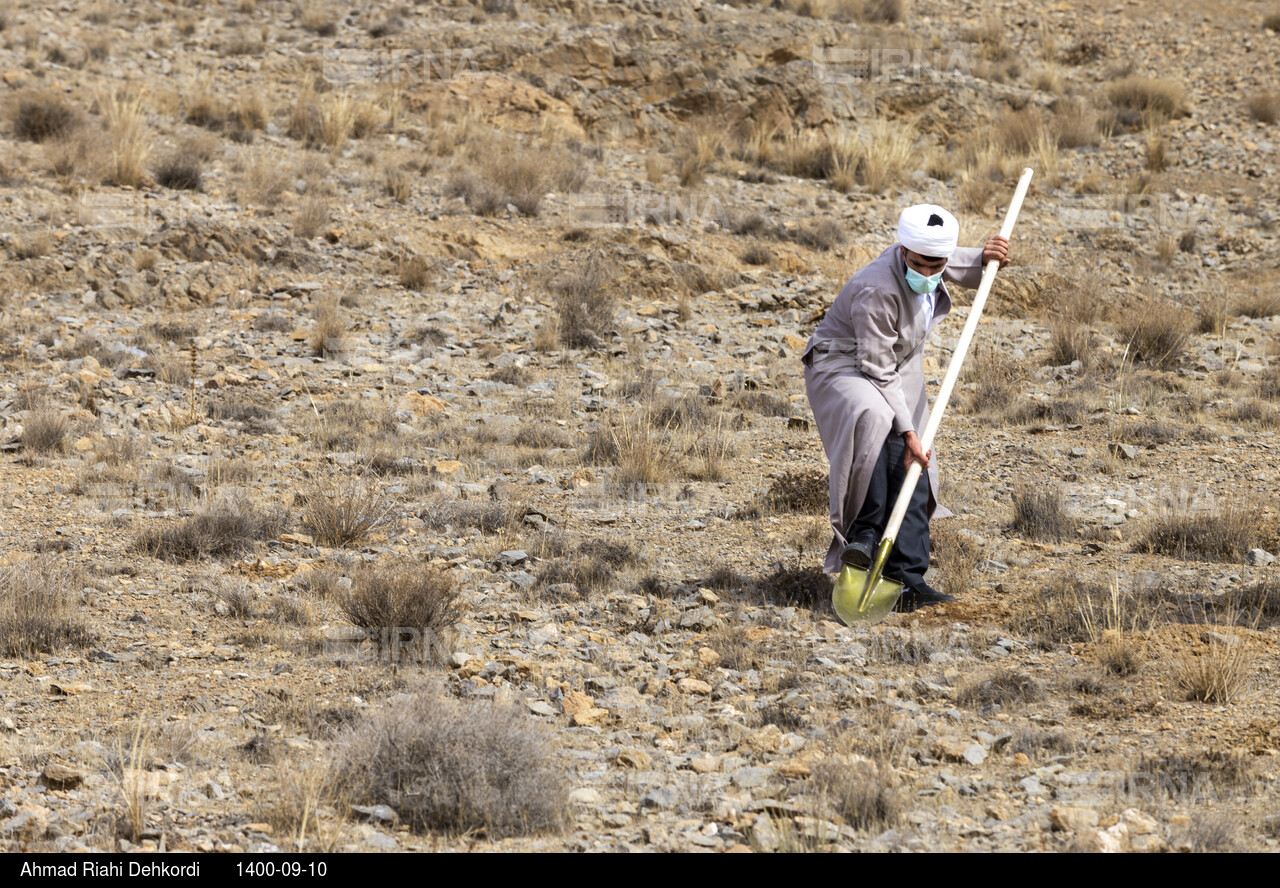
x=405, y=445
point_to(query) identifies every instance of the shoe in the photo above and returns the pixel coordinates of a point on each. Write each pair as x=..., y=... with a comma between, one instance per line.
x=920, y=595
x=859, y=551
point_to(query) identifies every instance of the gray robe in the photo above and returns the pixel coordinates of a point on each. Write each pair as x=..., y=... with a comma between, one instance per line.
x=864, y=375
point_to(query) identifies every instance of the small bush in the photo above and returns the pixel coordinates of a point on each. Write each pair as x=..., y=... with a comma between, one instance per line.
x=38, y=604
x=1148, y=95
x=1003, y=687
x=406, y=594
x=1158, y=338
x=804, y=492
x=312, y=216
x=585, y=303
x=343, y=512
x=224, y=530
x=995, y=382
x=957, y=556
x=183, y=171
x=1040, y=513
x=1265, y=107
x=1272, y=22
x=1216, y=675
x=1074, y=124
x=867, y=797
x=444, y=512
x=416, y=272
x=43, y=118
x=45, y=431
x=329, y=332
x=1205, y=536
x=806, y=587
x=456, y=767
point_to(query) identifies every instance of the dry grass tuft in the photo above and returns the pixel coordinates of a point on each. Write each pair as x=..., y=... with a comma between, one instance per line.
x=404, y=594
x=1217, y=674
x=803, y=492
x=45, y=431
x=957, y=556
x=585, y=303
x=1040, y=513
x=312, y=216
x=456, y=767
x=128, y=142
x=340, y=511
x=787, y=585
x=38, y=604
x=1158, y=338
x=182, y=171
x=1148, y=96
x=866, y=797
x=44, y=117
x=501, y=172
x=994, y=381
x=1002, y=688
x=329, y=332
x=1264, y=107
x=223, y=530
x=1225, y=535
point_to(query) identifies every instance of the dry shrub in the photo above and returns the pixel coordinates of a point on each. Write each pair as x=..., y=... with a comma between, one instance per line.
x=1265, y=107
x=128, y=142
x=398, y=184
x=1272, y=22
x=866, y=796
x=696, y=150
x=340, y=511
x=262, y=182
x=329, y=332
x=1074, y=124
x=591, y=567
x=1020, y=131
x=1156, y=337
x=1002, y=687
x=455, y=767
x=182, y=171
x=222, y=530
x=1209, y=832
x=317, y=17
x=1157, y=96
x=502, y=171
x=1036, y=741
x=45, y=431
x=1071, y=331
x=1218, y=673
x=312, y=216
x=1067, y=609
x=1203, y=536
x=1040, y=513
x=1259, y=302
x=821, y=236
x=737, y=650
x=416, y=272
x=33, y=245
x=44, y=117
x=957, y=556
x=445, y=514
x=404, y=594
x=585, y=302
x=994, y=381
x=805, y=492
x=875, y=158
x=757, y=255
x=38, y=604
x=787, y=585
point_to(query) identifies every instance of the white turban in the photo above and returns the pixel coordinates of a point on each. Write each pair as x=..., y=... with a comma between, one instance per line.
x=928, y=230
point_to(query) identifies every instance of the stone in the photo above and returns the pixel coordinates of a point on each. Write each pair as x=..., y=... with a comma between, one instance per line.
x=585, y=795
x=375, y=813
x=974, y=754
x=704, y=764
x=58, y=775
x=1069, y=818
x=693, y=686
x=662, y=797
x=421, y=406
x=635, y=758
x=753, y=777
x=1123, y=451
x=1139, y=823
x=1259, y=557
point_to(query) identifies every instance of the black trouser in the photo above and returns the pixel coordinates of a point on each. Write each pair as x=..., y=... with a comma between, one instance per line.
x=909, y=559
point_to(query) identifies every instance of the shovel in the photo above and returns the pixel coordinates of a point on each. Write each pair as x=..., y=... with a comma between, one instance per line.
x=864, y=596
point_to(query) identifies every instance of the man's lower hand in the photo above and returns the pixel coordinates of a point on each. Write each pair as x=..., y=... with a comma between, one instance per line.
x=913, y=452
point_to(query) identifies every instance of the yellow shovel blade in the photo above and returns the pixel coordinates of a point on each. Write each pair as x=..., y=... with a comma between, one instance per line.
x=848, y=593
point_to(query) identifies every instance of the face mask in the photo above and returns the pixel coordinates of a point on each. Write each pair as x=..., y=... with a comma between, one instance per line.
x=922, y=284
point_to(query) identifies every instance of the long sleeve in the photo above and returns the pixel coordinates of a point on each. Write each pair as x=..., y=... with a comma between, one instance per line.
x=964, y=267
x=873, y=315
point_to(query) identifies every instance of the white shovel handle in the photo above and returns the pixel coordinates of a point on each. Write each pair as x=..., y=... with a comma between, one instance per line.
x=957, y=359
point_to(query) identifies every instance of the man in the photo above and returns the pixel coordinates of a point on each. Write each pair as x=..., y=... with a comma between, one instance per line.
x=864, y=375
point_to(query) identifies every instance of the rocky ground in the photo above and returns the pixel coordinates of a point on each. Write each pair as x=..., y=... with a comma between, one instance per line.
x=511, y=297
